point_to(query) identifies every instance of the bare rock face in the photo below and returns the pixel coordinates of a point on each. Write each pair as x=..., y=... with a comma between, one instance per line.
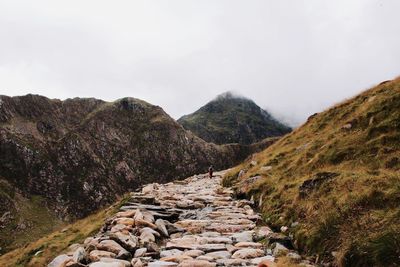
x=81, y=154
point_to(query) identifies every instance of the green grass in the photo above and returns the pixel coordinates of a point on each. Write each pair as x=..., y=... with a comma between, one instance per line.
x=29, y=218
x=55, y=243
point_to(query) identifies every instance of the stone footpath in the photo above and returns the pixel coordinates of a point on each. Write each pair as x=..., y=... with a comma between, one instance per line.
x=189, y=223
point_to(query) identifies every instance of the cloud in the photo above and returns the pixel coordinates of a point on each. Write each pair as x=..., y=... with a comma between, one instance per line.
x=293, y=58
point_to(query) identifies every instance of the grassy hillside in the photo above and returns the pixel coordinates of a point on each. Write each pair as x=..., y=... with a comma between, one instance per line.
x=23, y=219
x=43, y=250
x=338, y=176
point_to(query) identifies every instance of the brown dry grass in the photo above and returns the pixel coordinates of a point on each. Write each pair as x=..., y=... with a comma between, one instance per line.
x=357, y=213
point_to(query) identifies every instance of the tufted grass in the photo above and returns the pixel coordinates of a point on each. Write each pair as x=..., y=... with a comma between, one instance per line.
x=356, y=214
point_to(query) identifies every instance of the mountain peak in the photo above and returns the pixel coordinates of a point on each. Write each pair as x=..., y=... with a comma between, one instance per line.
x=230, y=95
x=231, y=118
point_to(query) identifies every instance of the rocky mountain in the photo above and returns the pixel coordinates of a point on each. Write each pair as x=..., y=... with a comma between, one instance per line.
x=77, y=155
x=333, y=183
x=232, y=119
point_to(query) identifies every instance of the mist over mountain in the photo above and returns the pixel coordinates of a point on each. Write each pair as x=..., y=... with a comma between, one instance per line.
x=232, y=118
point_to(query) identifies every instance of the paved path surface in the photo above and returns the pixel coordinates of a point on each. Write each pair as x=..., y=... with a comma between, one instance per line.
x=189, y=223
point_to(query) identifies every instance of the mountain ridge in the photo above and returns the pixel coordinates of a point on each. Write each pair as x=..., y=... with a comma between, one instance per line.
x=230, y=118
x=81, y=154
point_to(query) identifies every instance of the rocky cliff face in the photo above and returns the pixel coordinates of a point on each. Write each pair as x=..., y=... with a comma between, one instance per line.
x=232, y=119
x=80, y=154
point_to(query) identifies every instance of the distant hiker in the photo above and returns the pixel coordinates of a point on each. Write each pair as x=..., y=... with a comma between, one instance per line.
x=210, y=171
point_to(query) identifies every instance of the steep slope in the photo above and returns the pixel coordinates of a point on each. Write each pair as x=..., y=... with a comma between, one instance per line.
x=335, y=181
x=81, y=154
x=231, y=119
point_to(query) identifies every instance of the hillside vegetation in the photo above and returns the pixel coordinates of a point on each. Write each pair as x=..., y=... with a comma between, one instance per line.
x=41, y=251
x=23, y=219
x=335, y=181
x=233, y=119
x=62, y=160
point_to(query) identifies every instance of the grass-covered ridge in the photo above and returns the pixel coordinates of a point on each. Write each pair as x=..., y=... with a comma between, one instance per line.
x=338, y=175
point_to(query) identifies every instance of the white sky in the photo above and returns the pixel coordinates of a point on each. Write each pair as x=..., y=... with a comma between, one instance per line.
x=293, y=58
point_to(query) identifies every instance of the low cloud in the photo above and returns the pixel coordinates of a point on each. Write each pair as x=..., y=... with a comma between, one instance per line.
x=293, y=58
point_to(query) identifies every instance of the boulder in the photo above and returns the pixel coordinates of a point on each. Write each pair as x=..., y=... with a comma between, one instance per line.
x=211, y=247
x=232, y=262
x=177, y=258
x=262, y=259
x=137, y=262
x=126, y=213
x=216, y=240
x=114, y=247
x=153, y=248
x=79, y=255
x=279, y=250
x=95, y=255
x=120, y=228
x=280, y=238
x=127, y=241
x=162, y=228
x=126, y=263
x=172, y=229
x=140, y=252
x=148, y=217
x=143, y=223
x=193, y=253
x=294, y=257
x=149, y=230
x=74, y=264
x=245, y=236
x=262, y=233
x=162, y=263
x=210, y=234
x=219, y=255
x=248, y=253
x=248, y=245
x=125, y=221
x=172, y=252
x=147, y=237
x=60, y=261
x=205, y=258
x=148, y=189
x=196, y=263
x=106, y=264
x=72, y=248
x=138, y=215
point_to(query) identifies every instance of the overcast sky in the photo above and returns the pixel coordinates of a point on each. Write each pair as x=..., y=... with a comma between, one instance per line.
x=293, y=58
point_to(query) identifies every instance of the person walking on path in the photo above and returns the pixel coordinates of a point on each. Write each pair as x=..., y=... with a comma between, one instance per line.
x=210, y=171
